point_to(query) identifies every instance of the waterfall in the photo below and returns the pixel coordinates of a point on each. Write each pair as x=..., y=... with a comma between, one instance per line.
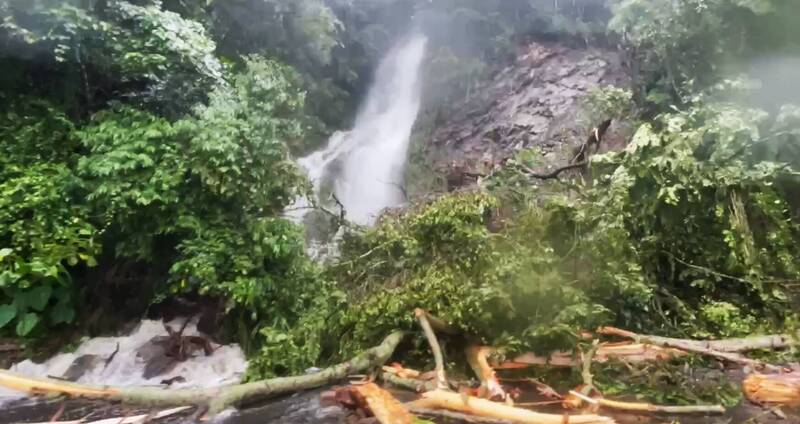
x=364, y=167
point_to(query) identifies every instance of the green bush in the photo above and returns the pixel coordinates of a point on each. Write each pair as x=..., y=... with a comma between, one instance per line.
x=42, y=235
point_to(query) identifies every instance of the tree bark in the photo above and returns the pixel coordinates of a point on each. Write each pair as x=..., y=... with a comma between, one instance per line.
x=694, y=347
x=485, y=408
x=218, y=398
x=648, y=407
x=441, y=378
x=773, y=341
x=414, y=385
x=490, y=387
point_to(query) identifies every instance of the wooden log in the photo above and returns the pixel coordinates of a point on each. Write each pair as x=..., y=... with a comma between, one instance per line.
x=691, y=346
x=218, y=398
x=415, y=385
x=441, y=378
x=383, y=405
x=485, y=408
x=735, y=345
x=773, y=389
x=625, y=351
x=490, y=387
x=648, y=407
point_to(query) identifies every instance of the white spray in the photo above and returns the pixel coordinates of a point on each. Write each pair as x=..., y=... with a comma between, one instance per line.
x=364, y=167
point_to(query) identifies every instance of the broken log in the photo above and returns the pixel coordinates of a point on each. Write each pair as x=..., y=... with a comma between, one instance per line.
x=648, y=407
x=624, y=351
x=490, y=387
x=383, y=405
x=773, y=389
x=692, y=347
x=471, y=405
x=441, y=379
x=218, y=398
x=736, y=345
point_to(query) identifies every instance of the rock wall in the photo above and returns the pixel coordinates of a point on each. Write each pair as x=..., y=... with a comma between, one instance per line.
x=535, y=101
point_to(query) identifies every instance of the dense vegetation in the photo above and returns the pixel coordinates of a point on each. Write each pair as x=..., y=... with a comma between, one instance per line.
x=146, y=152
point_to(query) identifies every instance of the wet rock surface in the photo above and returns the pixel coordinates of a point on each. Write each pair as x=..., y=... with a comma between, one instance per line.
x=534, y=101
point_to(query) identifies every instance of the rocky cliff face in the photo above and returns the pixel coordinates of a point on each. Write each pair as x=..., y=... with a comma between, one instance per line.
x=535, y=101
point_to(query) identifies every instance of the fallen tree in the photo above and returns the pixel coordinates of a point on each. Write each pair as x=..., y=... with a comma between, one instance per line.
x=215, y=399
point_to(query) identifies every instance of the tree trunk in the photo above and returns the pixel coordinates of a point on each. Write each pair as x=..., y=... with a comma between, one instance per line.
x=218, y=398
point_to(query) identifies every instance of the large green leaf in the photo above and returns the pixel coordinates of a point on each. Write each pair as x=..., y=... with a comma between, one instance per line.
x=38, y=297
x=63, y=312
x=7, y=313
x=27, y=323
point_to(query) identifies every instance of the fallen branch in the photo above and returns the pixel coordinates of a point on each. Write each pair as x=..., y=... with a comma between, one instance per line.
x=745, y=344
x=439, y=324
x=455, y=416
x=775, y=389
x=647, y=407
x=440, y=399
x=693, y=347
x=490, y=387
x=218, y=398
x=626, y=352
x=586, y=368
x=441, y=378
x=542, y=388
x=412, y=384
x=555, y=173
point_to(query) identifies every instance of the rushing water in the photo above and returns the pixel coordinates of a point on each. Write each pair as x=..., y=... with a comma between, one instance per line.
x=123, y=361
x=364, y=167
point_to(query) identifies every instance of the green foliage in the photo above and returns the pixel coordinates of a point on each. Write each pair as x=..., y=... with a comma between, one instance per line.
x=42, y=235
x=208, y=190
x=506, y=288
x=135, y=52
x=607, y=102
x=239, y=150
x=135, y=168
x=677, y=47
x=668, y=383
x=193, y=201
x=33, y=131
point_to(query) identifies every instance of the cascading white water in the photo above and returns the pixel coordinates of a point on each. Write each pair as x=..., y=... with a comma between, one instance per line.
x=123, y=361
x=364, y=166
